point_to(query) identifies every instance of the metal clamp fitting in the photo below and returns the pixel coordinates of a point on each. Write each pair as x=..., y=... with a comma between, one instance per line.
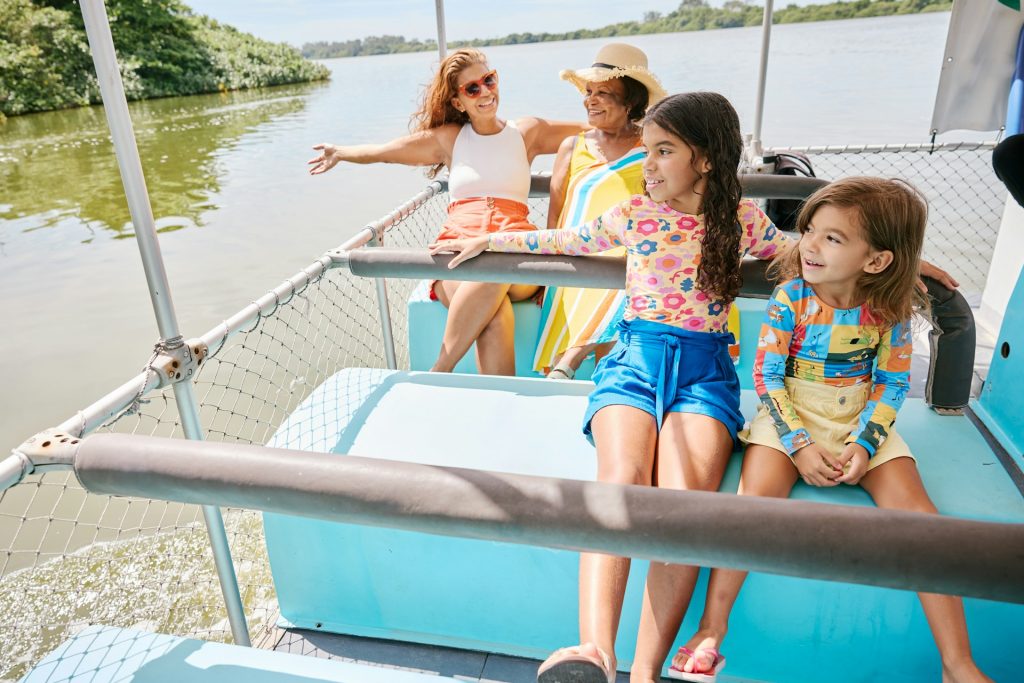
x=50, y=448
x=179, y=362
x=339, y=258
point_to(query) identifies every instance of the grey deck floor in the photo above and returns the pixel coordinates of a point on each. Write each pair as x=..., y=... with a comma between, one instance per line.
x=465, y=665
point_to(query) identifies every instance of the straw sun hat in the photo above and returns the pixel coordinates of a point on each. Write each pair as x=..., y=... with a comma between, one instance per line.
x=616, y=60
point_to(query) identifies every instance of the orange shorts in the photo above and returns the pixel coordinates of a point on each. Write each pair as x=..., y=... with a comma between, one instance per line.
x=480, y=216
x=483, y=215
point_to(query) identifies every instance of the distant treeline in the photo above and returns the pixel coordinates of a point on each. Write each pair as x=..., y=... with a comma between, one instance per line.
x=692, y=15
x=162, y=47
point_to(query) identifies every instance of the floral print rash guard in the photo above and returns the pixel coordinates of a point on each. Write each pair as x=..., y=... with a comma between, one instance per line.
x=663, y=250
x=805, y=338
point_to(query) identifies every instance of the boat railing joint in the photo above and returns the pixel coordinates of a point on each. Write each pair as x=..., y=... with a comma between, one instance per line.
x=339, y=257
x=50, y=449
x=178, y=361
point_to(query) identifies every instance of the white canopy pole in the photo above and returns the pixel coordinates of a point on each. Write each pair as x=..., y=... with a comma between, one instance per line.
x=442, y=41
x=115, y=104
x=766, y=39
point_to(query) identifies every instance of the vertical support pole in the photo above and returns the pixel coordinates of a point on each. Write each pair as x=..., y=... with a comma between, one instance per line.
x=442, y=40
x=188, y=409
x=387, y=328
x=115, y=105
x=766, y=39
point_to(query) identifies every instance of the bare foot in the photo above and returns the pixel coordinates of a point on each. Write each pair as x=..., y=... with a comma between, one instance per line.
x=964, y=672
x=704, y=645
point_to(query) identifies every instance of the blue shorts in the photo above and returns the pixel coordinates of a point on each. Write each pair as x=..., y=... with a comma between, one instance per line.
x=662, y=369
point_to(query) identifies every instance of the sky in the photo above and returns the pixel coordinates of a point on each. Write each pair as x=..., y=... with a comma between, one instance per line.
x=304, y=21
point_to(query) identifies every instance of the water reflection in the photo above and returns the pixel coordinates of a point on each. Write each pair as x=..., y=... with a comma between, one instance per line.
x=57, y=169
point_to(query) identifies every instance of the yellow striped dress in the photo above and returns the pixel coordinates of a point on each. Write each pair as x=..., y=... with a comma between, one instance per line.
x=572, y=316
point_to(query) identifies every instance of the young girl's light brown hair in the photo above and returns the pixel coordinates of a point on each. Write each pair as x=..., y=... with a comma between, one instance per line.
x=892, y=215
x=436, y=109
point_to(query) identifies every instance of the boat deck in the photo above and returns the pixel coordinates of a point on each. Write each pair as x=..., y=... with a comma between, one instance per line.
x=465, y=665
x=374, y=583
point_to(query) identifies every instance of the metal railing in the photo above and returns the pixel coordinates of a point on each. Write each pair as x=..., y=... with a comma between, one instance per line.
x=965, y=198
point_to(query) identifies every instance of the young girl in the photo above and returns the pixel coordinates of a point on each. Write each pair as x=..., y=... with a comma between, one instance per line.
x=832, y=370
x=654, y=419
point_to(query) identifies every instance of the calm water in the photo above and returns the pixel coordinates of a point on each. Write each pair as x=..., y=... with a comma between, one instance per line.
x=238, y=212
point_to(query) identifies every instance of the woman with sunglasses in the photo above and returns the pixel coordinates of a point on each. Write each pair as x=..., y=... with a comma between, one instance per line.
x=489, y=160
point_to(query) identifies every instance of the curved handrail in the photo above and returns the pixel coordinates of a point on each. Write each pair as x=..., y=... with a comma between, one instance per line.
x=755, y=185
x=952, y=336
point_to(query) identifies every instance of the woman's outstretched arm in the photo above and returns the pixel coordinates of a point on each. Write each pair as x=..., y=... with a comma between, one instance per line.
x=423, y=148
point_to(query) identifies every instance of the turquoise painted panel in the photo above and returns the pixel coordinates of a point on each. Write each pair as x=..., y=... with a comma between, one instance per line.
x=426, y=328
x=427, y=319
x=1002, y=401
x=522, y=600
x=102, y=654
x=751, y=316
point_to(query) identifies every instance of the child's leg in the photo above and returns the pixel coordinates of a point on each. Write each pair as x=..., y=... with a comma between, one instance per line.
x=693, y=451
x=625, y=438
x=897, y=485
x=768, y=473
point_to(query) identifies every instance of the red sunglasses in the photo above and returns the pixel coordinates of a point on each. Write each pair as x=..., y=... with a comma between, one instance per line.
x=474, y=89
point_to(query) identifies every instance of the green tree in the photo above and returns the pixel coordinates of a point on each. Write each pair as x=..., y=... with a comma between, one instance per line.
x=162, y=48
x=44, y=60
x=691, y=15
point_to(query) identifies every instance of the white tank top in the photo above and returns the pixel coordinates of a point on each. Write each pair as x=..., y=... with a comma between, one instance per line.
x=489, y=165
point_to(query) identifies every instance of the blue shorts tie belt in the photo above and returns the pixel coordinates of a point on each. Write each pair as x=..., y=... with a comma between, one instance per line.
x=661, y=369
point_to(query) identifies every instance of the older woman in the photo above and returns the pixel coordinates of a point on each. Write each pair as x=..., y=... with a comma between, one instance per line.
x=594, y=171
x=489, y=160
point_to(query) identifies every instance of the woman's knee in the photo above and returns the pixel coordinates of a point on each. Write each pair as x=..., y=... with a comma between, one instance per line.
x=502, y=323
x=522, y=292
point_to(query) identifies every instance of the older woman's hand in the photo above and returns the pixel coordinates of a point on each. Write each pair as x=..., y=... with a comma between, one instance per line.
x=328, y=158
x=463, y=249
x=934, y=272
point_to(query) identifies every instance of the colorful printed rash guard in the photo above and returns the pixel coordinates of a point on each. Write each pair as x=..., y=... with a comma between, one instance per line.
x=805, y=338
x=663, y=250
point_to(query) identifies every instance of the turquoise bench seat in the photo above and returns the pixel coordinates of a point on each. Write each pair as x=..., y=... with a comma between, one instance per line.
x=427, y=319
x=522, y=600
x=102, y=654
x=426, y=328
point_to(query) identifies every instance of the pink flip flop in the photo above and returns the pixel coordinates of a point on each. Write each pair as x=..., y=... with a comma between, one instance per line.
x=569, y=665
x=718, y=663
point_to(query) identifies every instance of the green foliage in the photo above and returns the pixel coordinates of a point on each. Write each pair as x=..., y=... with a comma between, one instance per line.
x=43, y=59
x=692, y=15
x=163, y=50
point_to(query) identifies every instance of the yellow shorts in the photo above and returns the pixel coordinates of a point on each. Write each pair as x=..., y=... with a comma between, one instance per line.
x=829, y=414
